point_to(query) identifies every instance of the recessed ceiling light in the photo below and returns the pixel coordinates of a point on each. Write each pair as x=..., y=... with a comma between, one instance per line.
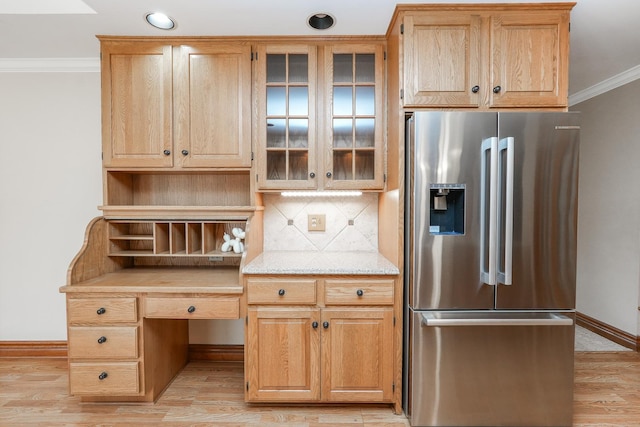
x=160, y=20
x=321, y=21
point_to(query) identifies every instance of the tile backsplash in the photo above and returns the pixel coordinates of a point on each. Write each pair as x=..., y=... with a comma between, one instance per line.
x=351, y=223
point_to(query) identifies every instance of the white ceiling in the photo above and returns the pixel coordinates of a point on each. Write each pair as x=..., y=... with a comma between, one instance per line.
x=605, y=34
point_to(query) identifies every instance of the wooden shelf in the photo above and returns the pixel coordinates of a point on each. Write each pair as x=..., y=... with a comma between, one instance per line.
x=240, y=213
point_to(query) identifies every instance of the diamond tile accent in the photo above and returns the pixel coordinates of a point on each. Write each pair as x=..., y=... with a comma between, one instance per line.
x=338, y=236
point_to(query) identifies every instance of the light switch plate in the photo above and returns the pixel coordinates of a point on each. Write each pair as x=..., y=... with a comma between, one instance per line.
x=317, y=222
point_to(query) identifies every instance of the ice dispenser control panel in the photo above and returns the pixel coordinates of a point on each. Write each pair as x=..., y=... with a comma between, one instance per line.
x=446, y=210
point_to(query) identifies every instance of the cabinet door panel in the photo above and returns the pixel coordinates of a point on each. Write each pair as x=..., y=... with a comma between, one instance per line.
x=354, y=117
x=137, y=105
x=213, y=104
x=442, y=60
x=357, y=355
x=283, y=354
x=286, y=116
x=529, y=54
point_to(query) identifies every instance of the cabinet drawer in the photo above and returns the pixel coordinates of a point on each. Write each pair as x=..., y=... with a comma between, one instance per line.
x=103, y=342
x=281, y=292
x=104, y=379
x=358, y=292
x=102, y=310
x=192, y=307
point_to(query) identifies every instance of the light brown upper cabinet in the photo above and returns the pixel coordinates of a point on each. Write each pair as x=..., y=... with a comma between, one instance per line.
x=183, y=106
x=499, y=57
x=320, y=116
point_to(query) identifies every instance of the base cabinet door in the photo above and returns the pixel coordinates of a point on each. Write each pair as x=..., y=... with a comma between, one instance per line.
x=357, y=354
x=283, y=354
x=309, y=354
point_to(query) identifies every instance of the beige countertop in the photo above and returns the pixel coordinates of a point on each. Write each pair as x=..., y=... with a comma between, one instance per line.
x=303, y=262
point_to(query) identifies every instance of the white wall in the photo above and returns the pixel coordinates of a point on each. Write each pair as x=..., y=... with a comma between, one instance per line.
x=608, y=285
x=50, y=187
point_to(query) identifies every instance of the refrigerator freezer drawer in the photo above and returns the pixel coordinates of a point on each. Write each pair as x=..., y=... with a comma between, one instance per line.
x=495, y=369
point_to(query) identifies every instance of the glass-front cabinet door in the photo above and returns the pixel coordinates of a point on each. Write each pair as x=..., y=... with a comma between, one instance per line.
x=354, y=113
x=286, y=130
x=338, y=146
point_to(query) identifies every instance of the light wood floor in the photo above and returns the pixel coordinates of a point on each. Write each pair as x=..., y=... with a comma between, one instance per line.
x=34, y=392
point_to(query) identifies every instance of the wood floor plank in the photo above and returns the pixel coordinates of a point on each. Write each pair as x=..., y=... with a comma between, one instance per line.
x=35, y=392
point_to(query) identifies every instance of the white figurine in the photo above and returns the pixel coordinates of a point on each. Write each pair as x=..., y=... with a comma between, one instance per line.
x=237, y=245
x=227, y=246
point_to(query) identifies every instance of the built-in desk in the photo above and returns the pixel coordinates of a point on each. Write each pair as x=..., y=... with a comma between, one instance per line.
x=128, y=329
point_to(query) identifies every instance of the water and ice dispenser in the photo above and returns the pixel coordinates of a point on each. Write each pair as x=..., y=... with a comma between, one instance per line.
x=446, y=209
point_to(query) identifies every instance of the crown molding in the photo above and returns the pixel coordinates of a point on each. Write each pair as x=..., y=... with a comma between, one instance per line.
x=605, y=85
x=49, y=65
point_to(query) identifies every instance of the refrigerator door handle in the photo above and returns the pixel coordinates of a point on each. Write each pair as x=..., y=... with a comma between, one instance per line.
x=429, y=319
x=505, y=277
x=488, y=275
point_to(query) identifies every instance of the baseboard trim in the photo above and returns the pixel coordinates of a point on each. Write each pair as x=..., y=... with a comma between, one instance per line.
x=612, y=333
x=218, y=353
x=58, y=349
x=33, y=349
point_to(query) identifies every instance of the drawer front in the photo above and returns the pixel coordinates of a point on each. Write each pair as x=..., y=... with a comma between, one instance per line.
x=192, y=307
x=103, y=342
x=285, y=292
x=104, y=379
x=102, y=310
x=359, y=292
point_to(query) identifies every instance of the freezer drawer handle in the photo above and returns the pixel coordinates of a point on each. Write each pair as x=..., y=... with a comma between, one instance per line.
x=429, y=319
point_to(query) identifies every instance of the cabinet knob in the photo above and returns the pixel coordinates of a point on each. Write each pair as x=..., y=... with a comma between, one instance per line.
x=359, y=292
x=281, y=292
x=191, y=309
x=312, y=175
x=102, y=376
x=166, y=152
x=328, y=174
x=314, y=325
x=475, y=89
x=185, y=152
x=101, y=310
x=497, y=89
x=102, y=340
x=325, y=325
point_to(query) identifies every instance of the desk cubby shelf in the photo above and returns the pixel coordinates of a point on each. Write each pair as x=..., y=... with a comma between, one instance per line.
x=191, y=238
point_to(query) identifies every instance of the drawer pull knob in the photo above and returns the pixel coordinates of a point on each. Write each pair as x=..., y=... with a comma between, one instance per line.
x=102, y=340
x=166, y=152
x=102, y=376
x=185, y=152
x=325, y=325
x=101, y=311
x=359, y=292
x=315, y=325
x=497, y=89
x=281, y=292
x=191, y=309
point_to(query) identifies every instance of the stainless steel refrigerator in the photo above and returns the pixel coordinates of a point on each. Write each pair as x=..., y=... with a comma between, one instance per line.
x=490, y=268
